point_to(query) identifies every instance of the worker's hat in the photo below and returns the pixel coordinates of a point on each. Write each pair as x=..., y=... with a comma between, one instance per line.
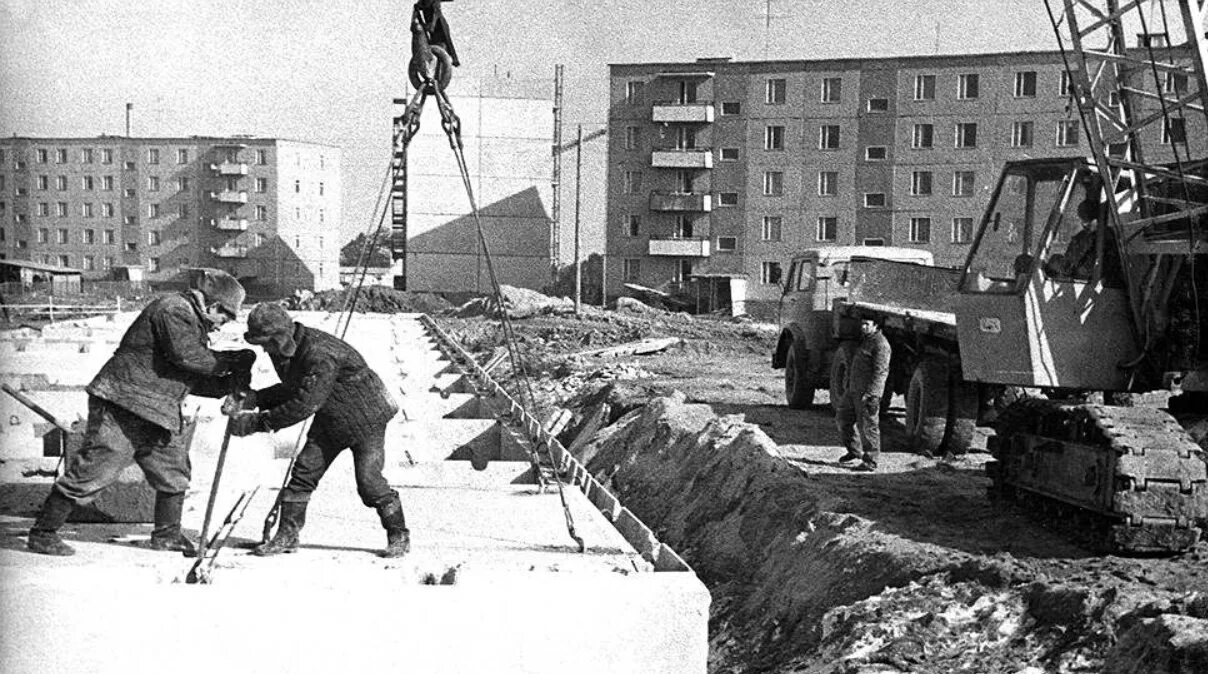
x=270, y=322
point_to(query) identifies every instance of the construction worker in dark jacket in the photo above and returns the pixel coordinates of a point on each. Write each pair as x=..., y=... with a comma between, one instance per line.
x=134, y=408
x=322, y=375
x=858, y=415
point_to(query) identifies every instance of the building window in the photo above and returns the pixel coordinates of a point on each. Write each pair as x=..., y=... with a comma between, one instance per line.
x=920, y=184
x=42, y=156
x=183, y=211
x=153, y=237
x=773, y=138
x=43, y=209
x=153, y=210
x=63, y=235
x=322, y=188
x=87, y=182
x=61, y=209
x=131, y=246
x=182, y=184
x=771, y=229
x=1063, y=89
x=962, y=230
x=153, y=264
x=261, y=185
x=1175, y=83
x=966, y=134
x=920, y=230
x=43, y=182
x=107, y=210
x=107, y=183
x=828, y=183
x=878, y=105
x=90, y=236
x=731, y=108
x=43, y=235
x=729, y=154
x=89, y=263
x=832, y=89
x=1025, y=84
x=86, y=156
x=769, y=273
x=261, y=158
x=876, y=152
x=64, y=260
x=262, y=213
x=962, y=183
x=633, y=91
x=1067, y=133
x=774, y=93
x=1021, y=134
x=874, y=200
x=152, y=183
x=129, y=166
x=297, y=187
x=924, y=87
x=631, y=269
x=106, y=156
x=1174, y=131
x=727, y=199
x=86, y=209
x=923, y=136
x=685, y=138
x=152, y=155
x=773, y=183
x=828, y=137
x=61, y=183
x=130, y=220
x=968, y=86
x=60, y=156
x=109, y=238
x=633, y=137
x=322, y=218
x=182, y=156
x=129, y=192
x=261, y=239
x=727, y=243
x=633, y=226
x=828, y=228
x=633, y=182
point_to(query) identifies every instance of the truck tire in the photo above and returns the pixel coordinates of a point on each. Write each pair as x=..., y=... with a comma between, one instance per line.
x=798, y=392
x=927, y=406
x=962, y=420
x=840, y=367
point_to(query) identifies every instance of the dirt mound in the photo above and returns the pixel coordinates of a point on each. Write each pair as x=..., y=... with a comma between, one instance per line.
x=798, y=584
x=518, y=302
x=372, y=299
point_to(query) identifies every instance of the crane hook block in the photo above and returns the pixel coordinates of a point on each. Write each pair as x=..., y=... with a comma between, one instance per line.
x=433, y=55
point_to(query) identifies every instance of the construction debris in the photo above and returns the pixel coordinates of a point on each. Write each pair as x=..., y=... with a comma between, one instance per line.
x=371, y=299
x=518, y=302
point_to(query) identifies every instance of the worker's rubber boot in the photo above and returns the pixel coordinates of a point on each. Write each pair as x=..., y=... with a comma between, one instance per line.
x=293, y=516
x=44, y=536
x=167, y=536
x=398, y=537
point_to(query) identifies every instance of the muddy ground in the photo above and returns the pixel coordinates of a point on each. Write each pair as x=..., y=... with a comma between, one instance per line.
x=814, y=568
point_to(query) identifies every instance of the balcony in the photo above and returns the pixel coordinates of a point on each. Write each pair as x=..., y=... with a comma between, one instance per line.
x=229, y=251
x=681, y=202
x=682, y=159
x=677, y=247
x=229, y=168
x=673, y=113
x=229, y=224
x=230, y=197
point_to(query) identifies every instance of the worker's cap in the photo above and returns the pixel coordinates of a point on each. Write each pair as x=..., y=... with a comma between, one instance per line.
x=220, y=288
x=1088, y=209
x=269, y=322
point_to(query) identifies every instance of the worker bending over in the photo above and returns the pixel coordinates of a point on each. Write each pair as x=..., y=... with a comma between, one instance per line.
x=322, y=375
x=134, y=408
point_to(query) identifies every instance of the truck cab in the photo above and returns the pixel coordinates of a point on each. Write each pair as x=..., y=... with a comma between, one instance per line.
x=816, y=279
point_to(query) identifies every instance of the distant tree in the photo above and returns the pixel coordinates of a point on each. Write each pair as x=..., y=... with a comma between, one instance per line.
x=350, y=254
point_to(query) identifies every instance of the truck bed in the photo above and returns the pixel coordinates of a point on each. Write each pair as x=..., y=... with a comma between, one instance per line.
x=903, y=295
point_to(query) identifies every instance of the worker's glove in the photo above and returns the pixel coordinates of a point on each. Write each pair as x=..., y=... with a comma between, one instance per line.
x=235, y=403
x=242, y=360
x=247, y=423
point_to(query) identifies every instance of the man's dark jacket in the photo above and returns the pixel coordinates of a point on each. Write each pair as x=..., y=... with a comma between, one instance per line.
x=163, y=357
x=325, y=377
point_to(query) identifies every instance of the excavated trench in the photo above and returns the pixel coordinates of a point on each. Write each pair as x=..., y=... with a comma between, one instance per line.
x=802, y=583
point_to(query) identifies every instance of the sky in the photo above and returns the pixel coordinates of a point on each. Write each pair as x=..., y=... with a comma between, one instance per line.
x=326, y=70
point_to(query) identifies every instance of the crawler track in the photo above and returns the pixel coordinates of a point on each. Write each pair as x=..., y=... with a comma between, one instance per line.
x=1133, y=469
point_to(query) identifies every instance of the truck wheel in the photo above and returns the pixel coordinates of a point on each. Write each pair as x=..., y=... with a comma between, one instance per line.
x=963, y=416
x=840, y=367
x=797, y=392
x=927, y=406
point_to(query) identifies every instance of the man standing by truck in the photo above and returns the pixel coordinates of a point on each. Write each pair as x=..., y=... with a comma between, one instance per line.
x=858, y=413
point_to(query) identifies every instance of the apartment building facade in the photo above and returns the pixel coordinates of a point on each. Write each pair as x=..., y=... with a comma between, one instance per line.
x=720, y=171
x=267, y=210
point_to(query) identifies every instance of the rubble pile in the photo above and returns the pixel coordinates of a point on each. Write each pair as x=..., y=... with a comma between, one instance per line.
x=518, y=302
x=371, y=299
x=800, y=583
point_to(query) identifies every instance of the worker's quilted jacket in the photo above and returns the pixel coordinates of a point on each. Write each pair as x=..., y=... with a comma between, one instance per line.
x=326, y=377
x=163, y=357
x=869, y=367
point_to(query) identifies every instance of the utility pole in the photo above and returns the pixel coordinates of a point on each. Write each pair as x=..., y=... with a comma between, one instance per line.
x=578, y=193
x=555, y=239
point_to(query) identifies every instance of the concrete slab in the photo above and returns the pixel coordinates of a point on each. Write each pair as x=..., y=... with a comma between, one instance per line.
x=494, y=581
